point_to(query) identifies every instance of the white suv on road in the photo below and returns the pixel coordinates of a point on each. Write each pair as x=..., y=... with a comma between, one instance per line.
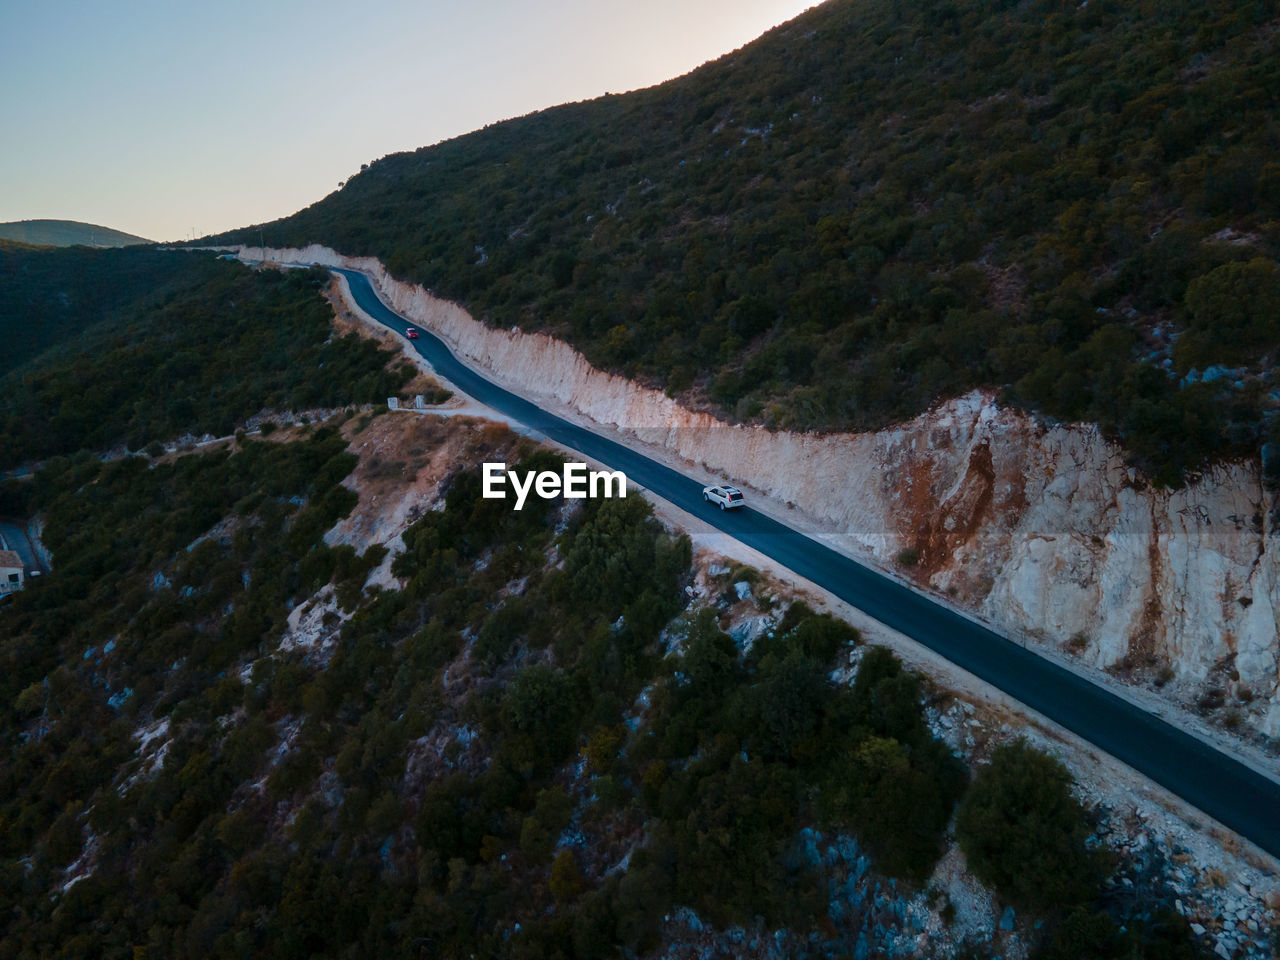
x=729, y=498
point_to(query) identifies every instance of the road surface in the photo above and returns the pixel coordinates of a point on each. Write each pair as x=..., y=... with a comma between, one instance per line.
x=1217, y=784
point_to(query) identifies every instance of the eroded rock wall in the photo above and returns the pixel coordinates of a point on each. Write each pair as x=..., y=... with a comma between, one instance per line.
x=1042, y=530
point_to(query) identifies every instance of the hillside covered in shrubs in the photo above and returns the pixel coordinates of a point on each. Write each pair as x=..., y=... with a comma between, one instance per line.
x=879, y=205
x=519, y=735
x=165, y=344
x=536, y=747
x=54, y=297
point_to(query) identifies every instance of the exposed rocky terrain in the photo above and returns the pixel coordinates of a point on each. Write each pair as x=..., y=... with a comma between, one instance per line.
x=1041, y=529
x=1168, y=858
x=403, y=464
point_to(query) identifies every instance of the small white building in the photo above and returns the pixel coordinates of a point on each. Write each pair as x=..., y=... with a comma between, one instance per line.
x=11, y=572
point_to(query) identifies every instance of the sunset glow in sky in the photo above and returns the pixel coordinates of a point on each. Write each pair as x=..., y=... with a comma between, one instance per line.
x=161, y=118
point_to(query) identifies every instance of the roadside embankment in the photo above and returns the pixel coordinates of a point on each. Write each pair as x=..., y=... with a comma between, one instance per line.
x=1041, y=530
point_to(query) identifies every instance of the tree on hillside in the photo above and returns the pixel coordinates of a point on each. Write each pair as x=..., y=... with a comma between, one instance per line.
x=1023, y=832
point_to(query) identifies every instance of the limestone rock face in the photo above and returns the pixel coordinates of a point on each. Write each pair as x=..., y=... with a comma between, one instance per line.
x=1042, y=530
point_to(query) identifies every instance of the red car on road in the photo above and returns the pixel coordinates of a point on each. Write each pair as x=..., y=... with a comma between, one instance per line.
x=411, y=333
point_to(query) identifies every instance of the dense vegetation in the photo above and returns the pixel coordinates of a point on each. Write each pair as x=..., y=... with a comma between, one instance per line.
x=151, y=603
x=190, y=344
x=55, y=297
x=497, y=760
x=882, y=204
x=1024, y=834
x=66, y=233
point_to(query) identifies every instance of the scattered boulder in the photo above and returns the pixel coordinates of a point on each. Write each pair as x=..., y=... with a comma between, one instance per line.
x=748, y=631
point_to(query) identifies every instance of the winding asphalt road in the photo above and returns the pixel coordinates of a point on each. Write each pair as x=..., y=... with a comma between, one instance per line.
x=1222, y=787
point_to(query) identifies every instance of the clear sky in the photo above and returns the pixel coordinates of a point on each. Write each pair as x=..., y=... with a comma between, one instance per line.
x=160, y=117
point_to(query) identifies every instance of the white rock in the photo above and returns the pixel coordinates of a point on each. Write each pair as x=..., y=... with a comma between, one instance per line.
x=748, y=631
x=1068, y=538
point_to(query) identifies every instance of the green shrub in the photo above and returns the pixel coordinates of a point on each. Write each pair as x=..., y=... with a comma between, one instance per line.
x=1232, y=311
x=566, y=877
x=1082, y=933
x=1023, y=832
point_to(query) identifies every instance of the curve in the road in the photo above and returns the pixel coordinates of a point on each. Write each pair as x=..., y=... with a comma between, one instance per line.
x=1216, y=783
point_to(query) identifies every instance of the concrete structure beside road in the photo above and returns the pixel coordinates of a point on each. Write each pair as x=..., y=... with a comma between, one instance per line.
x=12, y=573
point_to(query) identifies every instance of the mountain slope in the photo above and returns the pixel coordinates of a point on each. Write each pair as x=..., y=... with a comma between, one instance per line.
x=49, y=295
x=66, y=233
x=134, y=346
x=874, y=207
x=501, y=733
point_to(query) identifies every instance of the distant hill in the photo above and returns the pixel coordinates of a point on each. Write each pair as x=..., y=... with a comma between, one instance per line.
x=66, y=233
x=880, y=205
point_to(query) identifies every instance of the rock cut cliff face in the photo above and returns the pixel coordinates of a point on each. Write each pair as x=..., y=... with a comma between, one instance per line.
x=1044, y=531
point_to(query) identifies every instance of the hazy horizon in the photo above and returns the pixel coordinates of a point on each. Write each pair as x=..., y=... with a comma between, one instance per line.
x=162, y=120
